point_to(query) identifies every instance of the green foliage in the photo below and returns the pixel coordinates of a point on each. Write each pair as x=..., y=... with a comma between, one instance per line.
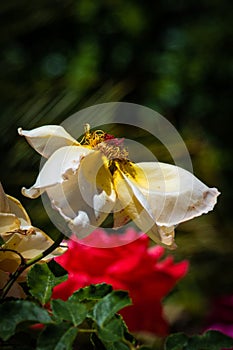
x=93, y=292
x=111, y=328
x=57, y=337
x=15, y=312
x=211, y=340
x=90, y=311
x=41, y=281
x=88, y=319
x=71, y=311
x=105, y=309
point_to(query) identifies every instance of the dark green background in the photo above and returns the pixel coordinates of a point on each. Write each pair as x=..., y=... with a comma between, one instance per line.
x=58, y=57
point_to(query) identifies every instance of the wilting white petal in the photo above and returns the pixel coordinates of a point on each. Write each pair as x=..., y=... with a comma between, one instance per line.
x=137, y=208
x=12, y=214
x=30, y=242
x=173, y=194
x=57, y=169
x=8, y=222
x=35, y=243
x=4, y=205
x=48, y=138
x=20, y=238
x=164, y=235
x=9, y=259
x=18, y=210
x=82, y=224
x=87, y=197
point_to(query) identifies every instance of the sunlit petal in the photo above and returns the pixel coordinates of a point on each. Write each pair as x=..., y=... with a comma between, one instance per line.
x=137, y=208
x=19, y=211
x=4, y=205
x=30, y=242
x=163, y=234
x=57, y=169
x=21, y=239
x=35, y=242
x=9, y=258
x=173, y=194
x=8, y=222
x=48, y=138
x=87, y=197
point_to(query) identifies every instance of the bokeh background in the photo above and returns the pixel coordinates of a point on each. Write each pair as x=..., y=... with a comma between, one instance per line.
x=59, y=56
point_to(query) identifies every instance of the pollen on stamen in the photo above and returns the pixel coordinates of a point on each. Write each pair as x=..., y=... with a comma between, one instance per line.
x=92, y=138
x=109, y=145
x=112, y=151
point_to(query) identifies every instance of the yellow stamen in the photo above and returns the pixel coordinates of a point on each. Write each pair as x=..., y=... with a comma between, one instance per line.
x=111, y=148
x=92, y=138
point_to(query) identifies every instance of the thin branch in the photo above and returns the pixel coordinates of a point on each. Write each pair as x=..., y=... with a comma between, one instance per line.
x=14, y=251
x=25, y=264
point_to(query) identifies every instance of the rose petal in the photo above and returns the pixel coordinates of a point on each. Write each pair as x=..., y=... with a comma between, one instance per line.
x=4, y=205
x=30, y=243
x=19, y=211
x=62, y=164
x=87, y=197
x=137, y=208
x=37, y=242
x=48, y=138
x=173, y=194
x=8, y=222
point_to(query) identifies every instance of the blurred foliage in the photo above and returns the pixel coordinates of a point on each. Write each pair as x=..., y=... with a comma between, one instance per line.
x=59, y=56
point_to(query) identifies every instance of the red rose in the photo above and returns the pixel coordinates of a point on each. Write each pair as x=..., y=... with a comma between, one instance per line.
x=134, y=267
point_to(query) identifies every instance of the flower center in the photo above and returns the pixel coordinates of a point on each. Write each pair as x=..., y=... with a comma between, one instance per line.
x=112, y=147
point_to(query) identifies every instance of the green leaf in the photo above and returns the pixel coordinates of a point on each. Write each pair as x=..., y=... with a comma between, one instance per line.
x=41, y=281
x=217, y=339
x=69, y=311
x=67, y=339
x=211, y=340
x=176, y=341
x=106, y=308
x=57, y=337
x=17, y=311
x=91, y=292
x=113, y=330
